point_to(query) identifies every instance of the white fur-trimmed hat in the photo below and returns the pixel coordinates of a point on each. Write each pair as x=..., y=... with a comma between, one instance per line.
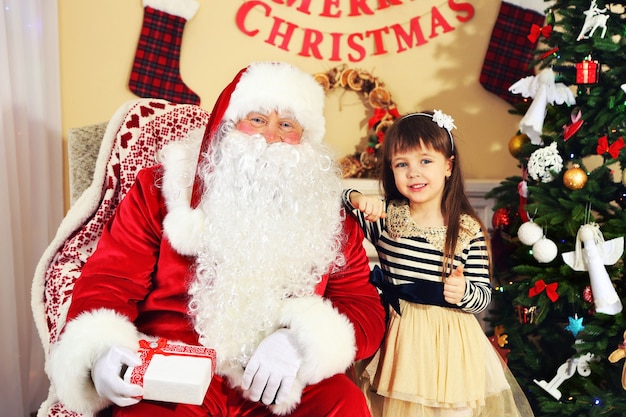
x=262, y=86
x=268, y=86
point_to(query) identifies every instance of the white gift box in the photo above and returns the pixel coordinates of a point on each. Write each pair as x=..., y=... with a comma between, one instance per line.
x=173, y=372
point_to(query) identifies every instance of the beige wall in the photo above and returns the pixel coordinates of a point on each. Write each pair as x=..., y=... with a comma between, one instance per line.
x=98, y=41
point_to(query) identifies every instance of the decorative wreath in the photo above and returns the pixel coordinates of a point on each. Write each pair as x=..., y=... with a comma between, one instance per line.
x=365, y=164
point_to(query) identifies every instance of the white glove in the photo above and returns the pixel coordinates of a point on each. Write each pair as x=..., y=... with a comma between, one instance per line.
x=272, y=369
x=108, y=381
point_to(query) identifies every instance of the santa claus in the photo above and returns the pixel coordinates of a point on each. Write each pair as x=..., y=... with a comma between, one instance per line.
x=237, y=242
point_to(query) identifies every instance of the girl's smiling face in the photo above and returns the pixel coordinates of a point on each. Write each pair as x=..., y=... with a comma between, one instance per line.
x=420, y=175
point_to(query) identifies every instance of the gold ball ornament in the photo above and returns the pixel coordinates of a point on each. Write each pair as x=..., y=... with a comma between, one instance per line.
x=516, y=143
x=575, y=178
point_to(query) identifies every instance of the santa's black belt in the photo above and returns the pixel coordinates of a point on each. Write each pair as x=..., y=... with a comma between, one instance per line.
x=420, y=292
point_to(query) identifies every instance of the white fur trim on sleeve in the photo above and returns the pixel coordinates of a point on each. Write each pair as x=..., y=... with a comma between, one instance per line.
x=183, y=226
x=85, y=338
x=325, y=337
x=183, y=8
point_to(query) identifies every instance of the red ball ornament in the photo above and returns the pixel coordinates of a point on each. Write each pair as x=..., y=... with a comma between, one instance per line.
x=587, y=294
x=501, y=218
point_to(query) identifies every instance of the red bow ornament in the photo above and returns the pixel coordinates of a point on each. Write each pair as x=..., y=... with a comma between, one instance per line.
x=613, y=149
x=380, y=114
x=536, y=31
x=541, y=285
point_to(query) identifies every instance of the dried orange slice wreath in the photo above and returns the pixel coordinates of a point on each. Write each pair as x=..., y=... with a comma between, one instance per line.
x=363, y=164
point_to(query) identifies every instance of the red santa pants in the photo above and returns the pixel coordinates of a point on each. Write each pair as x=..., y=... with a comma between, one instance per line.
x=334, y=397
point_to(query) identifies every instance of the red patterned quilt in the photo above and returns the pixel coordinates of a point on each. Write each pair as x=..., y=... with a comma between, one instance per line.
x=133, y=138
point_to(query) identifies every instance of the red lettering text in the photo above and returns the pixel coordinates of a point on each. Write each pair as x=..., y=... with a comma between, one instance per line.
x=356, y=47
x=271, y=39
x=383, y=4
x=335, y=56
x=326, y=11
x=462, y=7
x=437, y=20
x=311, y=42
x=356, y=5
x=304, y=5
x=243, y=12
x=352, y=47
x=415, y=31
x=379, y=46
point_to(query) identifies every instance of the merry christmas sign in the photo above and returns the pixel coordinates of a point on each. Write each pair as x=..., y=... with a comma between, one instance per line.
x=267, y=20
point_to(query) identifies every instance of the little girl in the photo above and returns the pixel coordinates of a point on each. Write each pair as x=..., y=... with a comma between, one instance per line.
x=433, y=250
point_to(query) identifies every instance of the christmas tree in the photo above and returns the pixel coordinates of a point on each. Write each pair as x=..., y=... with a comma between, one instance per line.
x=559, y=226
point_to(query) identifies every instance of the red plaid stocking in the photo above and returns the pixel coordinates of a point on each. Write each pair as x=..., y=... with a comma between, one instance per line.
x=156, y=68
x=510, y=52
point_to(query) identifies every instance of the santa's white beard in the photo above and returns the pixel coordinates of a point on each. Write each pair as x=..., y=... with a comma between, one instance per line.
x=272, y=230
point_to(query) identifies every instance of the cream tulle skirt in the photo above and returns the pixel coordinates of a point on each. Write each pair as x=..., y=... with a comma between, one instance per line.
x=436, y=362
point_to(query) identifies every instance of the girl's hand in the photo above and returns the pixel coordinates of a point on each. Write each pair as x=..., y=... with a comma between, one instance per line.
x=372, y=207
x=454, y=286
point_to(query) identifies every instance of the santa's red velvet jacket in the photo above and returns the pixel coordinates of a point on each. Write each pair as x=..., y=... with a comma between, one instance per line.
x=135, y=284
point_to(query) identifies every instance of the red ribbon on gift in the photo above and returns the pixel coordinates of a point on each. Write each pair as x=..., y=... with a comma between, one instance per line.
x=160, y=347
x=147, y=351
x=536, y=31
x=541, y=285
x=587, y=72
x=153, y=348
x=571, y=129
x=613, y=149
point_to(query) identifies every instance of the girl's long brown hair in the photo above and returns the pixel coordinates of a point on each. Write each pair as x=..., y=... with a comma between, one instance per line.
x=418, y=129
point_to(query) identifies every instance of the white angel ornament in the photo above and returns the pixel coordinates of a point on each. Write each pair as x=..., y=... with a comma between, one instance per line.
x=543, y=89
x=592, y=258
